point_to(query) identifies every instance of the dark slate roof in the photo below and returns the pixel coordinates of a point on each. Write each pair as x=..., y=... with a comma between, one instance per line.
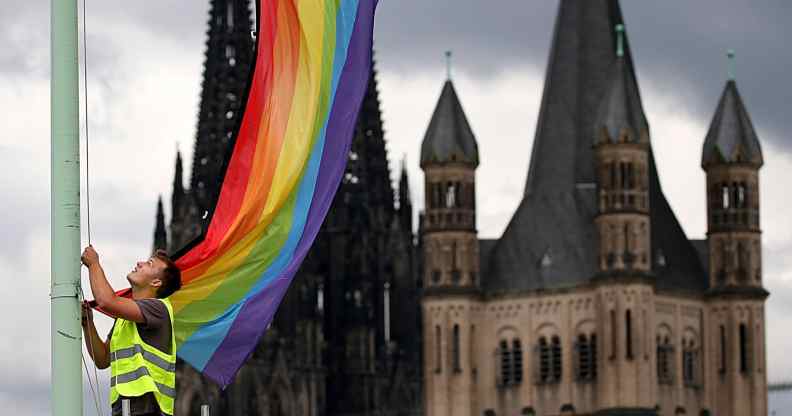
x=731, y=136
x=449, y=137
x=485, y=249
x=551, y=241
x=621, y=107
x=702, y=248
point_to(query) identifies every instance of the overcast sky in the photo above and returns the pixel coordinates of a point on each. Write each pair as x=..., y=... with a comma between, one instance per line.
x=144, y=82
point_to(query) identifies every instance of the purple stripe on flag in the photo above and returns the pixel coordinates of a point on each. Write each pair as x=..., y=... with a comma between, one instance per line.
x=247, y=329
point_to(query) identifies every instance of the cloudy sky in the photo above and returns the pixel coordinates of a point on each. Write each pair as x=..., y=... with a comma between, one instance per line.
x=144, y=76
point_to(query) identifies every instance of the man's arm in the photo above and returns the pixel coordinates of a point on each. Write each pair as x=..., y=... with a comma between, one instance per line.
x=104, y=294
x=97, y=349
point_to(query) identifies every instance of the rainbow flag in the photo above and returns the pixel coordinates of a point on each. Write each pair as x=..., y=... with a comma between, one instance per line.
x=311, y=71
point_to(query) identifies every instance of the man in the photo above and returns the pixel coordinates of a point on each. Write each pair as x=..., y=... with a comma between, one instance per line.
x=140, y=348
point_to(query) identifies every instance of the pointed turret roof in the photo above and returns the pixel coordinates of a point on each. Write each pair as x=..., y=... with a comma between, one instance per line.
x=731, y=137
x=449, y=137
x=557, y=212
x=621, y=111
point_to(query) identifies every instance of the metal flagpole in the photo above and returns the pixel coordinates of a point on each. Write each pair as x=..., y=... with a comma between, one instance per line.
x=66, y=333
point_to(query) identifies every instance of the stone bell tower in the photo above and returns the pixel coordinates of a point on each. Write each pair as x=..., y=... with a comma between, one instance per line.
x=449, y=158
x=731, y=158
x=621, y=145
x=622, y=152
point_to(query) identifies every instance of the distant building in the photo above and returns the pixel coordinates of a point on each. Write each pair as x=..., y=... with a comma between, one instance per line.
x=593, y=301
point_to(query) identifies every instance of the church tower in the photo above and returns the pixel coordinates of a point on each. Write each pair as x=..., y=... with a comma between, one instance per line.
x=731, y=159
x=449, y=158
x=621, y=147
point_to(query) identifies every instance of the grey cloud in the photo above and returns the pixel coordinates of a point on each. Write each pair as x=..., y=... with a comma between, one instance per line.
x=676, y=43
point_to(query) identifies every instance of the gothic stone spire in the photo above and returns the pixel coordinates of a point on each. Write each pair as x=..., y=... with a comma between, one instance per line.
x=229, y=57
x=160, y=235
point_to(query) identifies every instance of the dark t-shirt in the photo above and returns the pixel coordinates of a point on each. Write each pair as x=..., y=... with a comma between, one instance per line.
x=156, y=332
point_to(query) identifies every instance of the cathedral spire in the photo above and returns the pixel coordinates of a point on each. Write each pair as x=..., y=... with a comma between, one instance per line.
x=227, y=67
x=160, y=235
x=178, y=195
x=405, y=200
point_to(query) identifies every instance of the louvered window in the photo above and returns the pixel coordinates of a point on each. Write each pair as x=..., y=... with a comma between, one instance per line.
x=586, y=358
x=517, y=361
x=544, y=360
x=556, y=359
x=505, y=363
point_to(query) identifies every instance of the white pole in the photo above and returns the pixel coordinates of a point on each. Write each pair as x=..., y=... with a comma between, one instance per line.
x=205, y=410
x=125, y=410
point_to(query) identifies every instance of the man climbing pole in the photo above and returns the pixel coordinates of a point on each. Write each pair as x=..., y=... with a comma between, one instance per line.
x=140, y=349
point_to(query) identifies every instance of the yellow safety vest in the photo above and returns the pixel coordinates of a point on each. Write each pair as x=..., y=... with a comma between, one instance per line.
x=137, y=368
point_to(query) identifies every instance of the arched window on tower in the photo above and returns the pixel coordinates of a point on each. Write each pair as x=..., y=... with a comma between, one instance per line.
x=628, y=339
x=745, y=364
x=614, y=334
x=741, y=195
x=722, y=366
x=438, y=349
x=455, y=350
x=450, y=197
x=725, y=196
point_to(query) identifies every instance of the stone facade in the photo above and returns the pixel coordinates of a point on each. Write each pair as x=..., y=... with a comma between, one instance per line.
x=656, y=324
